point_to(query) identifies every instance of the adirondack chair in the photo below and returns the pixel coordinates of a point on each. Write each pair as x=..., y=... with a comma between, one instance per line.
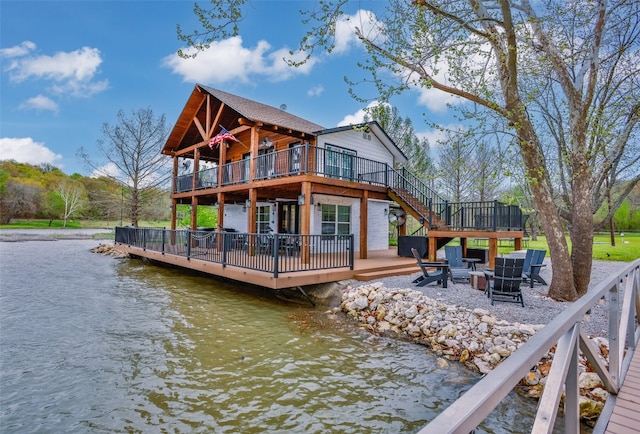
x=533, y=262
x=457, y=267
x=505, y=284
x=439, y=275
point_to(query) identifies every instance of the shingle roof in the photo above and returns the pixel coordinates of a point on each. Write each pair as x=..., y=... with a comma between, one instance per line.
x=259, y=112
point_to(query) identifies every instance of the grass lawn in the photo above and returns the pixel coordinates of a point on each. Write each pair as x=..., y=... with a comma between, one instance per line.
x=627, y=248
x=41, y=224
x=75, y=224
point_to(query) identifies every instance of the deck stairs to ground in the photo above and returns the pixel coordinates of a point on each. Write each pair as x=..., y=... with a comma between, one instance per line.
x=417, y=209
x=417, y=199
x=386, y=271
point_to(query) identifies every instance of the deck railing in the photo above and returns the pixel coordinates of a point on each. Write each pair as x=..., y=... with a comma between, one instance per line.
x=622, y=293
x=272, y=253
x=329, y=163
x=493, y=215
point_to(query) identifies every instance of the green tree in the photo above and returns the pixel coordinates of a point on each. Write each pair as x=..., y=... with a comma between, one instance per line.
x=404, y=136
x=495, y=56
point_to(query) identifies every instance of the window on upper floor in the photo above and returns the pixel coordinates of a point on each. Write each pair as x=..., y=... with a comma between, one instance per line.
x=339, y=162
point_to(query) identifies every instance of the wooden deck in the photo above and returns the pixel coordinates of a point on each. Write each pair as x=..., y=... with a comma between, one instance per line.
x=378, y=264
x=625, y=418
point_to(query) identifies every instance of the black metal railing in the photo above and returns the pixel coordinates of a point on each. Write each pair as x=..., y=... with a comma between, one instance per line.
x=272, y=253
x=415, y=193
x=431, y=208
x=492, y=215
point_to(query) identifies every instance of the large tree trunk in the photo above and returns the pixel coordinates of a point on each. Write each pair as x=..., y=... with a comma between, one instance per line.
x=562, y=282
x=581, y=225
x=135, y=210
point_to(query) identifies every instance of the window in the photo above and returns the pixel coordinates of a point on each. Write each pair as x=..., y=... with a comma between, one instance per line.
x=339, y=162
x=336, y=219
x=262, y=219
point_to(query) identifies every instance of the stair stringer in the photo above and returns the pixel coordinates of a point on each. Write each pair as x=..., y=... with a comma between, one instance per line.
x=417, y=210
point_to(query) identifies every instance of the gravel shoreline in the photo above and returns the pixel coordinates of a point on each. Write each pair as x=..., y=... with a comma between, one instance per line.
x=538, y=309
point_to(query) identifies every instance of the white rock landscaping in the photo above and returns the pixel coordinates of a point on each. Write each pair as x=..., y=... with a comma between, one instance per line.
x=473, y=337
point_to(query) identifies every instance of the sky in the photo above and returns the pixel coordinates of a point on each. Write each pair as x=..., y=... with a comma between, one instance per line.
x=68, y=67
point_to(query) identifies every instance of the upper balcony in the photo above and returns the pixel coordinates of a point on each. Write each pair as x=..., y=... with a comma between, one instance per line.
x=298, y=160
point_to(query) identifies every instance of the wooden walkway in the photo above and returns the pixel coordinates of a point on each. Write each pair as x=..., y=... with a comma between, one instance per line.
x=625, y=418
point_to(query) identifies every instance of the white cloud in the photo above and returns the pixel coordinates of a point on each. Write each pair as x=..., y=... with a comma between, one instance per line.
x=71, y=73
x=315, y=90
x=345, y=35
x=17, y=51
x=109, y=169
x=39, y=102
x=438, y=101
x=353, y=119
x=357, y=117
x=26, y=150
x=440, y=136
x=435, y=100
x=229, y=60
x=469, y=69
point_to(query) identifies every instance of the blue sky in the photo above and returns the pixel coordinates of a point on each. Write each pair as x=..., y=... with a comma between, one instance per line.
x=70, y=66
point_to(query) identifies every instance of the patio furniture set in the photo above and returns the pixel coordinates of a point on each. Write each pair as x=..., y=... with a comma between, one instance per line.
x=500, y=284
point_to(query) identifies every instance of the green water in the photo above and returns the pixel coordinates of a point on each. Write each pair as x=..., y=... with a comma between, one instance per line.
x=94, y=344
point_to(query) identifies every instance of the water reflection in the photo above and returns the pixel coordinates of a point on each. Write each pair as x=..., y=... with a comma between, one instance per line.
x=90, y=343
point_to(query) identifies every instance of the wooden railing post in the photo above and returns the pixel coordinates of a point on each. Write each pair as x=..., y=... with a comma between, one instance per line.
x=614, y=341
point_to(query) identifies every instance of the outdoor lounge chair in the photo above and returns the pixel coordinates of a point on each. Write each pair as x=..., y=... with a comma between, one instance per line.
x=505, y=282
x=533, y=262
x=457, y=267
x=439, y=275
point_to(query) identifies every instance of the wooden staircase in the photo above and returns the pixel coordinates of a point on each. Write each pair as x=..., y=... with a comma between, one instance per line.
x=387, y=271
x=418, y=210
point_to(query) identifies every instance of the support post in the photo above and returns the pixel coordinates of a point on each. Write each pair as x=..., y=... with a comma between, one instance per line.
x=493, y=252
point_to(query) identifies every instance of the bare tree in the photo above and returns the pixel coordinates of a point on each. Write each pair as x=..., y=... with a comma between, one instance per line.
x=18, y=199
x=455, y=176
x=133, y=146
x=72, y=198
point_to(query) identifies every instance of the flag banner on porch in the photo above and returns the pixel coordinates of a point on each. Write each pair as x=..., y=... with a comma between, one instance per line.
x=221, y=137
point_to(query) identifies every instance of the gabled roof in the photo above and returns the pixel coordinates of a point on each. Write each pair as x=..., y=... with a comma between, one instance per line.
x=185, y=132
x=258, y=112
x=377, y=131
